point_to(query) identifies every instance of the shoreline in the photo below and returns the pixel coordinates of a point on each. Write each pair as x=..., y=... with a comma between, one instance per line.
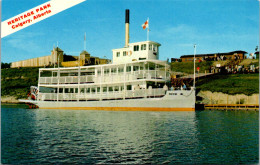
x=9, y=100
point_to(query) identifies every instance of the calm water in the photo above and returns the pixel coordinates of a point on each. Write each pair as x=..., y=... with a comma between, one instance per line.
x=63, y=136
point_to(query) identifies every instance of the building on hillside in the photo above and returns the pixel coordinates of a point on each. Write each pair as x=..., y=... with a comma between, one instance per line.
x=175, y=60
x=234, y=55
x=58, y=56
x=83, y=59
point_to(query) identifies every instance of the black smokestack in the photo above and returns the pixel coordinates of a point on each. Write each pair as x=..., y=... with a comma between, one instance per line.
x=127, y=16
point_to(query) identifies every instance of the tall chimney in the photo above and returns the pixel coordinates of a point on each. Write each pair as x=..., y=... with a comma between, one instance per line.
x=126, y=27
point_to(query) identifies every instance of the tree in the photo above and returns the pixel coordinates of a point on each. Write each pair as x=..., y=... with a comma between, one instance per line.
x=5, y=65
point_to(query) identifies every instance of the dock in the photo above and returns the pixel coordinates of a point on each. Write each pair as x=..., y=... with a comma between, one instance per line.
x=246, y=107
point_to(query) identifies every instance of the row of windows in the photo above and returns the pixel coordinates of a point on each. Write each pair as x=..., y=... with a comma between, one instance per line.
x=175, y=93
x=93, y=90
x=136, y=48
x=143, y=47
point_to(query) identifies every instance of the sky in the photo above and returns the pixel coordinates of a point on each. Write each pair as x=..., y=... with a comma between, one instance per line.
x=213, y=25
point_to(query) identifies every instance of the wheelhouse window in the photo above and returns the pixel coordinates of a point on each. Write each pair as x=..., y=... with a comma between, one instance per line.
x=155, y=48
x=136, y=48
x=150, y=46
x=124, y=53
x=118, y=54
x=143, y=47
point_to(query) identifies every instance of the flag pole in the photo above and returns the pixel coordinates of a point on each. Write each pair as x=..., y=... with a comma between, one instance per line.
x=194, y=66
x=148, y=30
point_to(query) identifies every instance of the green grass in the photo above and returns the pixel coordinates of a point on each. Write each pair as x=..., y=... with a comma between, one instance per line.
x=247, y=84
x=187, y=67
x=16, y=82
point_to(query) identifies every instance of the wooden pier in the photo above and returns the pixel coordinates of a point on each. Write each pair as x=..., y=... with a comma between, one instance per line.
x=254, y=107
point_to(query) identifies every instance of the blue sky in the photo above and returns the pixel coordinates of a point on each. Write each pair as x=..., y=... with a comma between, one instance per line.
x=214, y=25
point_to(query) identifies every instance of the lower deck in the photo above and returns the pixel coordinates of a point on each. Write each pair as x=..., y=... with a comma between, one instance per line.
x=175, y=100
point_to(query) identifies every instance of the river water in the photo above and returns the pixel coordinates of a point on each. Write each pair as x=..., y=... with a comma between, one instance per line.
x=30, y=136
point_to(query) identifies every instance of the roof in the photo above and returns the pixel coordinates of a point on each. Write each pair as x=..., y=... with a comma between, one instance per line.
x=212, y=54
x=58, y=49
x=137, y=43
x=84, y=52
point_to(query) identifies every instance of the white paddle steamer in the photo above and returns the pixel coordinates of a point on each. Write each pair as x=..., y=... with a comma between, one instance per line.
x=136, y=80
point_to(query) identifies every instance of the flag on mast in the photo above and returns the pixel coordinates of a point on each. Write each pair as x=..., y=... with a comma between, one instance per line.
x=146, y=24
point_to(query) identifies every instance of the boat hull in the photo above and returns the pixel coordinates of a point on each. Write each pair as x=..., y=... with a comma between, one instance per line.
x=182, y=101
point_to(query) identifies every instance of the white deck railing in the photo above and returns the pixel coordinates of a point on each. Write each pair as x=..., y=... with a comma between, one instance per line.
x=141, y=93
x=105, y=78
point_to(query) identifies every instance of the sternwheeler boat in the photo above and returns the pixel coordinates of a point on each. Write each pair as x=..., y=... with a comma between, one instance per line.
x=136, y=81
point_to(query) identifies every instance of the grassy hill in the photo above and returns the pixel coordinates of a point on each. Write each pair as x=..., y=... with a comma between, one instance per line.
x=247, y=84
x=187, y=67
x=17, y=81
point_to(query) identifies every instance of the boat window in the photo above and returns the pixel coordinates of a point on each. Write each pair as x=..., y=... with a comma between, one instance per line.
x=106, y=71
x=128, y=68
x=122, y=88
x=150, y=46
x=99, y=72
x=76, y=90
x=110, y=88
x=98, y=89
x=129, y=87
x=136, y=47
x=113, y=70
x=136, y=68
x=120, y=69
x=143, y=47
x=88, y=90
x=155, y=48
x=181, y=93
x=116, y=88
x=117, y=54
x=124, y=53
x=82, y=90
x=104, y=89
x=66, y=90
x=93, y=90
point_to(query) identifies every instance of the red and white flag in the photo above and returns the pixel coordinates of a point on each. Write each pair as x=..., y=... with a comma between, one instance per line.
x=145, y=25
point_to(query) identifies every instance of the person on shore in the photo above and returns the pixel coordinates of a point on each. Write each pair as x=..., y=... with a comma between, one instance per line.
x=184, y=86
x=172, y=88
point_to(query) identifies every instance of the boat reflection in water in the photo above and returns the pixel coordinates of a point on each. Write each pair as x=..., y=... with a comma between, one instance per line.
x=68, y=136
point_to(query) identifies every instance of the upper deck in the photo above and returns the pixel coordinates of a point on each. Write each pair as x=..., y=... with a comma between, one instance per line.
x=146, y=70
